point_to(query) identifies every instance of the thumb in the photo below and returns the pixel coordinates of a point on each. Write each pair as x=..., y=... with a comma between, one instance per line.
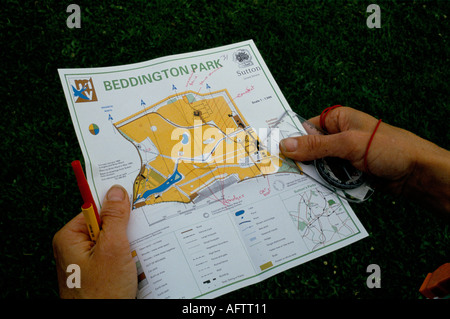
x=115, y=214
x=311, y=147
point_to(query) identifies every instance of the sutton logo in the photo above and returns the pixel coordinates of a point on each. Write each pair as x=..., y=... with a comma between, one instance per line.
x=243, y=58
x=83, y=90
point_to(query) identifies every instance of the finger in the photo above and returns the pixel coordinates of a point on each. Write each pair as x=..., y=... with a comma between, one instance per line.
x=73, y=237
x=335, y=120
x=74, y=231
x=78, y=224
x=311, y=147
x=115, y=214
x=311, y=128
x=315, y=121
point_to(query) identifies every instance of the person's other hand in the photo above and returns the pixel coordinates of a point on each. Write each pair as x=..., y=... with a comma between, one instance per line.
x=107, y=269
x=392, y=156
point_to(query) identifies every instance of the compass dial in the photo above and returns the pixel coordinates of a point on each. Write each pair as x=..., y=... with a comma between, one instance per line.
x=339, y=173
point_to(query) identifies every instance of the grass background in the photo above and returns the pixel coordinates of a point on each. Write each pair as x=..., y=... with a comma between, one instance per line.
x=321, y=53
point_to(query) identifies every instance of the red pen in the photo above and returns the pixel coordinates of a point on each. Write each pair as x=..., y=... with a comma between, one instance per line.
x=84, y=188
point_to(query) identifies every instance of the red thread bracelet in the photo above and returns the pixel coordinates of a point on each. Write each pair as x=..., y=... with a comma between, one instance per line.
x=366, y=166
x=324, y=114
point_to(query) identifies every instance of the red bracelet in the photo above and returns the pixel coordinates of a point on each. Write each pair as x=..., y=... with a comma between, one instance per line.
x=324, y=114
x=366, y=166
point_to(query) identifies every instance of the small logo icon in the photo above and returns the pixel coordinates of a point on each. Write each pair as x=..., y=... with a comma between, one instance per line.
x=94, y=129
x=83, y=90
x=243, y=58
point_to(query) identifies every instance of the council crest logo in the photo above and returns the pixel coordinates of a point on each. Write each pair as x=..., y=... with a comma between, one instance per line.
x=243, y=58
x=83, y=90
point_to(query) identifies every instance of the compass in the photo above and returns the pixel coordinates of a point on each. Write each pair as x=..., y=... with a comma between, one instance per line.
x=339, y=173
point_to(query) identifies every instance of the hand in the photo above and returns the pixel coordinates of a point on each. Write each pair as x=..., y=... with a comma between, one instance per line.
x=107, y=268
x=400, y=161
x=390, y=157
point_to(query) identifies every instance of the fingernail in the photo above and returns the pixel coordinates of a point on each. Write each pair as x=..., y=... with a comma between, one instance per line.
x=116, y=193
x=289, y=144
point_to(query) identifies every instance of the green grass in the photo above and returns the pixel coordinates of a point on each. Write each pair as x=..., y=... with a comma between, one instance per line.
x=320, y=53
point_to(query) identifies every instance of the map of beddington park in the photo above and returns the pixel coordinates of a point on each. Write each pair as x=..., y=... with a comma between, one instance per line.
x=193, y=145
x=194, y=139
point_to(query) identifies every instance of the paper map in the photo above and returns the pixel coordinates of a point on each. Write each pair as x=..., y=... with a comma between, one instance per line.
x=194, y=140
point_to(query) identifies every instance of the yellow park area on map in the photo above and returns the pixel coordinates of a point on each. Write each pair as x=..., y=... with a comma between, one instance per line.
x=193, y=144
